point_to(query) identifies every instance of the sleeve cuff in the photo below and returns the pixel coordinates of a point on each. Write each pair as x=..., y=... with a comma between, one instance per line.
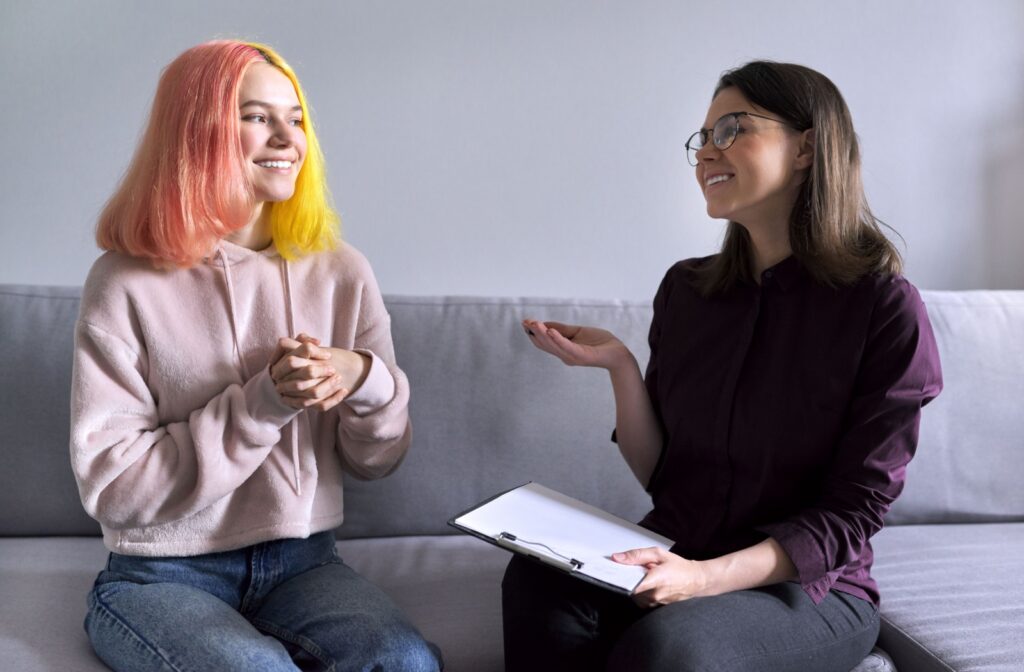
x=805, y=553
x=264, y=403
x=377, y=390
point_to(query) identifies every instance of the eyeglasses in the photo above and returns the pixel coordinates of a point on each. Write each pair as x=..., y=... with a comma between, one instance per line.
x=723, y=134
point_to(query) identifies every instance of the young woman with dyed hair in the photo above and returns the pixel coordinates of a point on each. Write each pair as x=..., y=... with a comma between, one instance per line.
x=211, y=421
x=778, y=412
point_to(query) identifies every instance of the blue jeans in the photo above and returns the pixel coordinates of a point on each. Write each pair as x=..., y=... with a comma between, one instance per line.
x=554, y=622
x=289, y=604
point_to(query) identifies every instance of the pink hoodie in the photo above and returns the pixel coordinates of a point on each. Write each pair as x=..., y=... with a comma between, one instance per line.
x=179, y=442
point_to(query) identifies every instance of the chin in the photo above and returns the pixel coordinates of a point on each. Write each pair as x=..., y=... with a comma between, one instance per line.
x=275, y=195
x=718, y=213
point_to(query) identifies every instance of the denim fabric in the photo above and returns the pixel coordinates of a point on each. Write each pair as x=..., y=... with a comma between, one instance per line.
x=555, y=622
x=289, y=604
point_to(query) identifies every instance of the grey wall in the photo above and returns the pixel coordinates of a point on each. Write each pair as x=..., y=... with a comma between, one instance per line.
x=532, y=147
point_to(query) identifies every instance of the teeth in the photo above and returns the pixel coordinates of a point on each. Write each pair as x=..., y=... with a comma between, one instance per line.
x=275, y=164
x=719, y=178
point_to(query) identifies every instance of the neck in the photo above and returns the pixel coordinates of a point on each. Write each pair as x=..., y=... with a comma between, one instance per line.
x=257, y=234
x=769, y=246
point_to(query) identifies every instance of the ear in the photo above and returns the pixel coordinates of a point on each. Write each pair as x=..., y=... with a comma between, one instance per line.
x=805, y=152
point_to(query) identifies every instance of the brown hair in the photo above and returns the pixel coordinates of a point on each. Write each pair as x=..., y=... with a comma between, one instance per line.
x=832, y=231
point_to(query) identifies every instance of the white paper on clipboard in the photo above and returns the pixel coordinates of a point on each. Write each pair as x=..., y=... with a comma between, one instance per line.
x=562, y=531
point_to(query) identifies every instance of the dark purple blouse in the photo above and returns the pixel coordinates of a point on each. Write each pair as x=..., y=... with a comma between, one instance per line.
x=789, y=410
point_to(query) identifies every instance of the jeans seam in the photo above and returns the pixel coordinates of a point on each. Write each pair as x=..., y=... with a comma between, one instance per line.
x=306, y=644
x=107, y=613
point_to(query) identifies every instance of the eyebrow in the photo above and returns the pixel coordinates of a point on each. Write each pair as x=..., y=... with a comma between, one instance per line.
x=261, y=103
x=722, y=116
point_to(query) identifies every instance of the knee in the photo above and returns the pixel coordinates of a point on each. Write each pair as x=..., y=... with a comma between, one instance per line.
x=404, y=650
x=650, y=645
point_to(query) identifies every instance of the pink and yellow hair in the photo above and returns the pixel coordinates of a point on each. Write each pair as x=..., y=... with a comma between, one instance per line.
x=186, y=187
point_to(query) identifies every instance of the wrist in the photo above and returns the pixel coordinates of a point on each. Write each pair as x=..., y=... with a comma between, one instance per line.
x=623, y=364
x=710, y=574
x=352, y=366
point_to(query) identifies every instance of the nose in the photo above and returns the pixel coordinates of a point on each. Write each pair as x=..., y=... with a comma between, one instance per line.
x=708, y=153
x=283, y=135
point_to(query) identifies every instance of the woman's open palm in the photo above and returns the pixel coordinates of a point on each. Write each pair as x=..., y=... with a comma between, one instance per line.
x=577, y=345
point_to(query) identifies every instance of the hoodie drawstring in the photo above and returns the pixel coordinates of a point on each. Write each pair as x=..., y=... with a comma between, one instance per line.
x=289, y=312
x=231, y=309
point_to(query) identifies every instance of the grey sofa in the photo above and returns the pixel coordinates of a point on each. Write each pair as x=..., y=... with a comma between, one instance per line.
x=490, y=412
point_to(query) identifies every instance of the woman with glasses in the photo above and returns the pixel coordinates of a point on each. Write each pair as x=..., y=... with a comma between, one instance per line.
x=775, y=420
x=209, y=432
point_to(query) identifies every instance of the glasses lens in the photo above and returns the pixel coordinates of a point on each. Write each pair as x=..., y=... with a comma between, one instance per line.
x=694, y=144
x=725, y=131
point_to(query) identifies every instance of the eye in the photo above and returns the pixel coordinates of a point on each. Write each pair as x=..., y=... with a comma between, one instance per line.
x=295, y=122
x=255, y=118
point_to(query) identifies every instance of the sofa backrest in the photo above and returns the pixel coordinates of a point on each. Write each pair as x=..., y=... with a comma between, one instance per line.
x=969, y=465
x=38, y=496
x=490, y=412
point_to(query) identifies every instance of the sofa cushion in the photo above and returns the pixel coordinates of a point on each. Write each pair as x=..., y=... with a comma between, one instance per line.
x=970, y=457
x=449, y=586
x=952, y=596
x=43, y=588
x=490, y=412
x=38, y=495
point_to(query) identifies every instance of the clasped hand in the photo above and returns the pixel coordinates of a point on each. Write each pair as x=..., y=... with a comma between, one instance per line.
x=670, y=578
x=310, y=376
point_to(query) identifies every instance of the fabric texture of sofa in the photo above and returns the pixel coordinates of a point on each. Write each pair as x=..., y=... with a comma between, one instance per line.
x=491, y=412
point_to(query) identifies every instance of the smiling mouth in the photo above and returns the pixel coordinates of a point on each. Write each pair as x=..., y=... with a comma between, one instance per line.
x=275, y=164
x=718, y=179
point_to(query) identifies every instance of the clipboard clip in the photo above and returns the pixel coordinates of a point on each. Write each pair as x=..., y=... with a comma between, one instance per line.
x=513, y=542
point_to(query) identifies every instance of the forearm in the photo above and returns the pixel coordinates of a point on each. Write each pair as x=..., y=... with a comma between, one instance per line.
x=373, y=428
x=134, y=471
x=351, y=366
x=763, y=564
x=636, y=427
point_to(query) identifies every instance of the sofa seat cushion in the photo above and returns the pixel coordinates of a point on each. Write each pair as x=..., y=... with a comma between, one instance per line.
x=952, y=596
x=43, y=587
x=449, y=586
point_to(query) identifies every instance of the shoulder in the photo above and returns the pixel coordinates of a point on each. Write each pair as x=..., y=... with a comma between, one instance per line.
x=114, y=277
x=685, y=272
x=342, y=262
x=896, y=308
x=118, y=289
x=892, y=294
x=681, y=279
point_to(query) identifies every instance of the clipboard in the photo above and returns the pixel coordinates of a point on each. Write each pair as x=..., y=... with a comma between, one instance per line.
x=565, y=533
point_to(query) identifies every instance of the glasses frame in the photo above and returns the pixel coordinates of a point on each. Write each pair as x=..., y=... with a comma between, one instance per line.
x=705, y=132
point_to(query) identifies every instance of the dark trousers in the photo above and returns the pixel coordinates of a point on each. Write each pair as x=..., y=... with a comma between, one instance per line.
x=553, y=621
